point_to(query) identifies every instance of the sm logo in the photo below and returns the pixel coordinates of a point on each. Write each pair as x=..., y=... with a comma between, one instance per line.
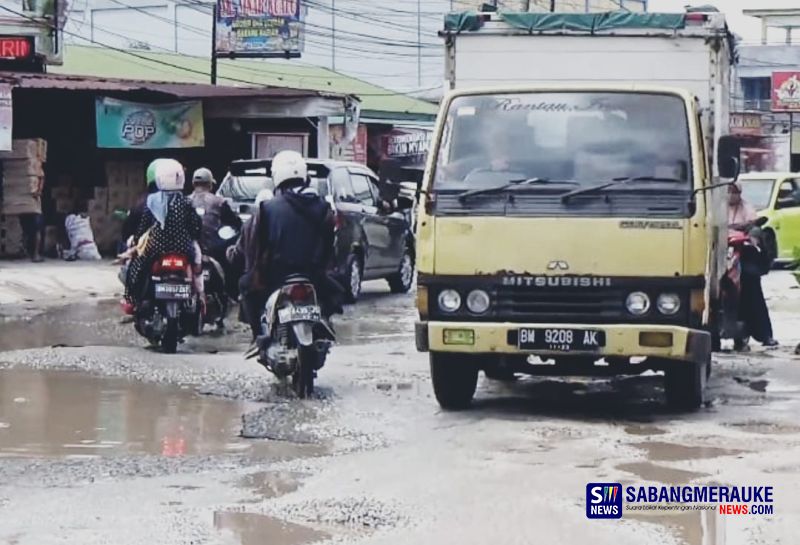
x=604, y=500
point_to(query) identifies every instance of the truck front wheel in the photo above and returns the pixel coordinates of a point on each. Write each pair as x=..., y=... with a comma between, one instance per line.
x=455, y=378
x=685, y=384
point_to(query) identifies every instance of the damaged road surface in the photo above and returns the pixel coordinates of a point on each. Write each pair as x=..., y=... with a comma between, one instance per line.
x=104, y=441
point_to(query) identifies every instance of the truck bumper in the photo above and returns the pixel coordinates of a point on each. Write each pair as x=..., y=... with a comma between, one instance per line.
x=622, y=340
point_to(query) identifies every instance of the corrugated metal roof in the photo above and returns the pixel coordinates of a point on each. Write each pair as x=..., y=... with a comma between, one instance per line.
x=178, y=90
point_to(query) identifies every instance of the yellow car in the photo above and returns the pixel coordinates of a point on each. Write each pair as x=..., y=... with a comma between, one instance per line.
x=776, y=195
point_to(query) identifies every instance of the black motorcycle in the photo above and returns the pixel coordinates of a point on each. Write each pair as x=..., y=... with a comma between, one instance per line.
x=169, y=308
x=299, y=338
x=216, y=284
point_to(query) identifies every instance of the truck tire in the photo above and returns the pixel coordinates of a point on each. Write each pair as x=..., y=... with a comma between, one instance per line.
x=455, y=378
x=685, y=384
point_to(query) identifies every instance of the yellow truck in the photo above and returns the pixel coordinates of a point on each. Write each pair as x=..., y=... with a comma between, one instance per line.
x=572, y=220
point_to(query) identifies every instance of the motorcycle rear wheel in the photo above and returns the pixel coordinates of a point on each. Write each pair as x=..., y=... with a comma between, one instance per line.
x=303, y=377
x=169, y=342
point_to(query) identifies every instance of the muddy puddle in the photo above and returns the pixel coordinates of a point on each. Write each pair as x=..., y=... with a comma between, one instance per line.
x=673, y=452
x=256, y=529
x=60, y=413
x=689, y=527
x=101, y=323
x=90, y=324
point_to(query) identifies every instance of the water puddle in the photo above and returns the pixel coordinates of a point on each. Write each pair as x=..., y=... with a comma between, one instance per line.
x=254, y=529
x=269, y=484
x=643, y=429
x=671, y=452
x=656, y=473
x=765, y=428
x=60, y=413
x=690, y=527
x=93, y=324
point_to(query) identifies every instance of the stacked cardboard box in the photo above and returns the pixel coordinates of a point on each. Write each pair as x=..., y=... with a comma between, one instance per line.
x=23, y=176
x=11, y=244
x=124, y=183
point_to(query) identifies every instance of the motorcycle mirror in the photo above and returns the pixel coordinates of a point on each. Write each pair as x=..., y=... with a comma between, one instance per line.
x=760, y=222
x=226, y=232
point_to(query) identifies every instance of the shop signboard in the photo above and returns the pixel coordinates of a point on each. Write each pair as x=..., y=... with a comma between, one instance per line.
x=267, y=145
x=6, y=116
x=407, y=146
x=132, y=125
x=29, y=27
x=259, y=28
x=746, y=124
x=354, y=150
x=786, y=91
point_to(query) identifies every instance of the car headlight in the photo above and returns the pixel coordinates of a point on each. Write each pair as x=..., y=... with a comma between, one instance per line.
x=638, y=303
x=478, y=301
x=449, y=300
x=668, y=304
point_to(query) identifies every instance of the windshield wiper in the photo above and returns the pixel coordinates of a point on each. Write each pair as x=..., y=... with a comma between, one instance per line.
x=511, y=185
x=616, y=182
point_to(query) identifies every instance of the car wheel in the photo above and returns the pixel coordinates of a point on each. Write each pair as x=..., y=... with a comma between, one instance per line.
x=401, y=281
x=355, y=275
x=771, y=250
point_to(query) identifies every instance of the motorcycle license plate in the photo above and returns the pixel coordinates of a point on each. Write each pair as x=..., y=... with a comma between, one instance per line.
x=299, y=314
x=173, y=291
x=560, y=339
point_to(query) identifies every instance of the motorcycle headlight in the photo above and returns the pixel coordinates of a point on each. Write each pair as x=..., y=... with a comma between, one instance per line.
x=478, y=301
x=449, y=301
x=668, y=304
x=638, y=303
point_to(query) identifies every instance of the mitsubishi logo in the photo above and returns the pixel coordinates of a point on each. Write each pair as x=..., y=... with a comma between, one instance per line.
x=558, y=266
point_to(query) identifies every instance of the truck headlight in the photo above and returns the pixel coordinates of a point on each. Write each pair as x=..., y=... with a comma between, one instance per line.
x=668, y=304
x=449, y=301
x=478, y=301
x=638, y=303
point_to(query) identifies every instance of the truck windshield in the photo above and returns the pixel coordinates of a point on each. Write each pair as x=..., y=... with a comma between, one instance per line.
x=576, y=140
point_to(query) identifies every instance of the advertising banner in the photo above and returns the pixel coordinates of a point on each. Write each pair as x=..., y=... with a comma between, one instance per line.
x=259, y=28
x=786, y=91
x=354, y=150
x=122, y=124
x=6, y=117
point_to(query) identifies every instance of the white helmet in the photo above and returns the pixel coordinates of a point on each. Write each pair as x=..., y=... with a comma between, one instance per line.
x=288, y=165
x=169, y=175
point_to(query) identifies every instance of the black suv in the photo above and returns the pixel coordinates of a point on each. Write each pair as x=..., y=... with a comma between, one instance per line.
x=374, y=237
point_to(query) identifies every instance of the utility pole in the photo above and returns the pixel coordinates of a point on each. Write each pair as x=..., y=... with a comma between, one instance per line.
x=333, y=35
x=552, y=6
x=213, y=45
x=419, y=43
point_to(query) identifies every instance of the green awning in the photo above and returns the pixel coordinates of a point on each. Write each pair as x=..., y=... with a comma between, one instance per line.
x=576, y=22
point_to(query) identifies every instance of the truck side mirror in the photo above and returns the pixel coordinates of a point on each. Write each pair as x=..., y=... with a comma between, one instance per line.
x=728, y=152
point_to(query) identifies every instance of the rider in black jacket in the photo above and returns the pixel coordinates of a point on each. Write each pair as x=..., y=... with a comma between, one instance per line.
x=295, y=236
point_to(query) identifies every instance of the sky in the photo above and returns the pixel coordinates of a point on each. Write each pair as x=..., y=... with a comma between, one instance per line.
x=749, y=28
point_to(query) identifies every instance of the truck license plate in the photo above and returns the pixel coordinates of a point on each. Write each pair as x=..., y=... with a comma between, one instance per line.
x=309, y=313
x=173, y=291
x=560, y=340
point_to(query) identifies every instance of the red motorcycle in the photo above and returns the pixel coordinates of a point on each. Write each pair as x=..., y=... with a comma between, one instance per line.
x=742, y=250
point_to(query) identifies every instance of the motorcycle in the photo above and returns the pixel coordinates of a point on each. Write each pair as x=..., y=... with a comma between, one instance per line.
x=215, y=282
x=169, y=308
x=741, y=250
x=296, y=339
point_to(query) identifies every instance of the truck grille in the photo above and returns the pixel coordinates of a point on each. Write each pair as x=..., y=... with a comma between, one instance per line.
x=560, y=305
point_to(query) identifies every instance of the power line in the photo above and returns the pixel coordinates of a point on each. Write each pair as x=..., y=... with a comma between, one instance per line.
x=170, y=64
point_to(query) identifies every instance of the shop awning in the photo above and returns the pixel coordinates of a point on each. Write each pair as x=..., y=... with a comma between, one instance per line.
x=220, y=101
